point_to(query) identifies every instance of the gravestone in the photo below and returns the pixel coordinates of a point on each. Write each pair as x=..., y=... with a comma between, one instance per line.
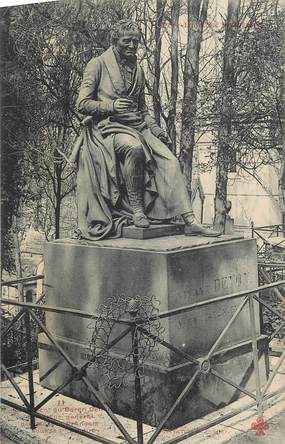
x=179, y=270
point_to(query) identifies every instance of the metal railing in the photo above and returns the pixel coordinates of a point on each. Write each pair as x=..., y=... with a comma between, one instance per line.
x=269, y=272
x=271, y=230
x=263, y=234
x=12, y=349
x=271, y=267
x=134, y=326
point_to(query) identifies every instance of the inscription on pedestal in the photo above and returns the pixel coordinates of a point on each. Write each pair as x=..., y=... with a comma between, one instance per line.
x=231, y=283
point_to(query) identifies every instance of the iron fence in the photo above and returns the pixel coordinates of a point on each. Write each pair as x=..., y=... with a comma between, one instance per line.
x=271, y=230
x=271, y=268
x=13, y=353
x=134, y=326
x=263, y=235
x=269, y=272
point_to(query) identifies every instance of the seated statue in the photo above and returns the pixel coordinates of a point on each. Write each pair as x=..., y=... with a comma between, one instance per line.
x=126, y=172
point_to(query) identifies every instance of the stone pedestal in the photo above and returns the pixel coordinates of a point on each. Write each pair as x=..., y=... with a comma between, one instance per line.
x=154, y=231
x=178, y=270
x=229, y=225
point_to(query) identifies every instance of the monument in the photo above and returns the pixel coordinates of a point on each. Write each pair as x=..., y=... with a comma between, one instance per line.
x=129, y=188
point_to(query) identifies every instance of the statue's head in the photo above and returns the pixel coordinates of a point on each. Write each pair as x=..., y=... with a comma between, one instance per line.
x=125, y=37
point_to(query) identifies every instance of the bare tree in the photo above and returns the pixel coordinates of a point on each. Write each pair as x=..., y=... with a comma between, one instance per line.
x=225, y=127
x=160, y=6
x=197, y=13
x=171, y=124
x=281, y=118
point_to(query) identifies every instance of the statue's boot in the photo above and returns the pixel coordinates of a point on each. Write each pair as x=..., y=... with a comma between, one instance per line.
x=134, y=179
x=140, y=220
x=196, y=229
x=135, y=193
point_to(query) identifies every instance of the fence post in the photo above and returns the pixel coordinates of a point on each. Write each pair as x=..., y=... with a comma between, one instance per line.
x=259, y=397
x=137, y=387
x=133, y=310
x=30, y=369
x=252, y=228
x=6, y=351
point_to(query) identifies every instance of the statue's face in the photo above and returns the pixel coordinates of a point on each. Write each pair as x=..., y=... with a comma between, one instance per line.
x=127, y=43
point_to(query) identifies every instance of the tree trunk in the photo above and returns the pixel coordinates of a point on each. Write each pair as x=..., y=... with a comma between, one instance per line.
x=160, y=6
x=57, y=219
x=58, y=197
x=281, y=112
x=171, y=124
x=18, y=261
x=281, y=115
x=225, y=126
x=197, y=14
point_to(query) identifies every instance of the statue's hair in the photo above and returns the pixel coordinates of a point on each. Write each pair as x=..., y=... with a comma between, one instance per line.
x=121, y=26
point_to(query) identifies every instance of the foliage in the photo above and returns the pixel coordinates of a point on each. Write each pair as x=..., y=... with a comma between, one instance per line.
x=258, y=57
x=13, y=180
x=46, y=49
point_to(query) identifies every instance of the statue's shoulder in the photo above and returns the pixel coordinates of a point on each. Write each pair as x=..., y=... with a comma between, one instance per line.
x=98, y=61
x=94, y=66
x=95, y=61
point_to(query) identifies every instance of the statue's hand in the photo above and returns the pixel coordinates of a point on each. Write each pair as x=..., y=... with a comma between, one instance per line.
x=161, y=135
x=124, y=106
x=165, y=139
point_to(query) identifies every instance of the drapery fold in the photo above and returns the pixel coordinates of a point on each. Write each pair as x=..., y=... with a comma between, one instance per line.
x=103, y=205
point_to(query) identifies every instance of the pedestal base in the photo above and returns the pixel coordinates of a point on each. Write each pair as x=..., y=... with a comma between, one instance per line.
x=154, y=231
x=161, y=385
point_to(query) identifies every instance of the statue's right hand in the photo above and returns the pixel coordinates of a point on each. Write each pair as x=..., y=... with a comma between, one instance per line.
x=123, y=105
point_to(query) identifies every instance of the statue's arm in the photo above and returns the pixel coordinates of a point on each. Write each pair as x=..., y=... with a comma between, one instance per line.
x=149, y=120
x=86, y=102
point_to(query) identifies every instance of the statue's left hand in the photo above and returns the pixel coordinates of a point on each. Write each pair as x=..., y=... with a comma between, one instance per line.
x=161, y=135
x=165, y=139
